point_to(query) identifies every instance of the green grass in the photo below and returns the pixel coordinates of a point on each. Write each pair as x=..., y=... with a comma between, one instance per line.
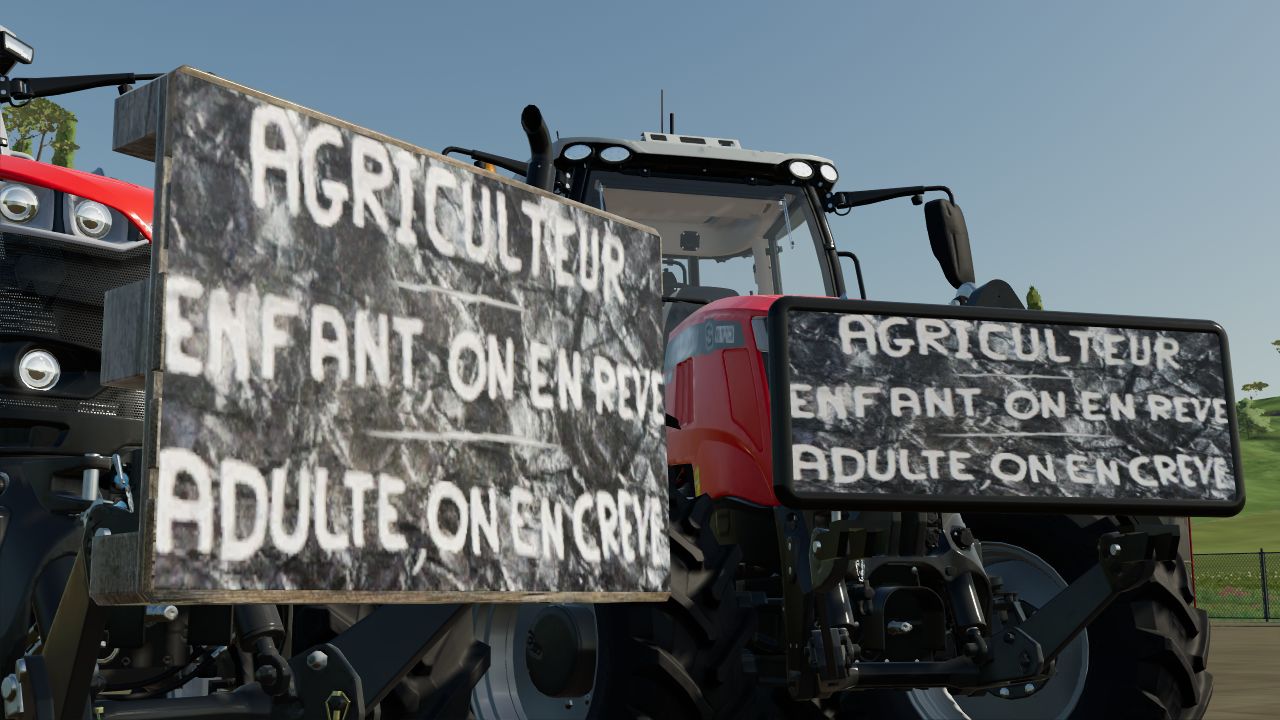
x=1229, y=586
x=1259, y=525
x=1272, y=403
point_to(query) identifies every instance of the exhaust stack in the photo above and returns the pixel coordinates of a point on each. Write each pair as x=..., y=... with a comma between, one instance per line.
x=542, y=172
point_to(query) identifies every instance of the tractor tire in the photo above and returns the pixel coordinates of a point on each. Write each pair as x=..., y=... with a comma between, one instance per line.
x=1146, y=654
x=685, y=658
x=682, y=658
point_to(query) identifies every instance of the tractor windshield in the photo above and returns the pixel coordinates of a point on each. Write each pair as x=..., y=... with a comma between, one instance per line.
x=723, y=238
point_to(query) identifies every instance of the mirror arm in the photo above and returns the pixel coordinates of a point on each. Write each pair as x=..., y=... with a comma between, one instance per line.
x=31, y=88
x=857, y=198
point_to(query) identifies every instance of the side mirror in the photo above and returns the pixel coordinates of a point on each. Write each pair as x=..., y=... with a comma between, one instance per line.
x=950, y=240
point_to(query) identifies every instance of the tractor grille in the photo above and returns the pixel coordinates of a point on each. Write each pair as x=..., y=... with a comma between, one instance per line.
x=55, y=291
x=111, y=401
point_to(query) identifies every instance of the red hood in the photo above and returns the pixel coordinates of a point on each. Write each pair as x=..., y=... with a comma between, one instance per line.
x=134, y=201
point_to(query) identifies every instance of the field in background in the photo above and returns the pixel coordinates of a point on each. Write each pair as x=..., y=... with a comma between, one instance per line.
x=1259, y=525
x=1231, y=585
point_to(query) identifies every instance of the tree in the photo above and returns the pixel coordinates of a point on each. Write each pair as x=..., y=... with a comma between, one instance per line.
x=64, y=142
x=1276, y=344
x=1254, y=387
x=41, y=124
x=1251, y=419
x=1033, y=299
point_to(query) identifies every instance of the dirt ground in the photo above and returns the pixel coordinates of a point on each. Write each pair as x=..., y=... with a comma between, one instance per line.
x=1245, y=662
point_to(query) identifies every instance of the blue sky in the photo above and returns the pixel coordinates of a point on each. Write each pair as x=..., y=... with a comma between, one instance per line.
x=1120, y=156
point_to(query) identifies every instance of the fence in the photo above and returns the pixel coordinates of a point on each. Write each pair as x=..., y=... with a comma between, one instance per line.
x=1241, y=586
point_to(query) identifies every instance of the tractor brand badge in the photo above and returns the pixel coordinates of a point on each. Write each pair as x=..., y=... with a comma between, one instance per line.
x=702, y=339
x=337, y=705
x=719, y=335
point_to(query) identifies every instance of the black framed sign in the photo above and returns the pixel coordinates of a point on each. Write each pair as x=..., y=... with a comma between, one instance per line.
x=925, y=406
x=381, y=375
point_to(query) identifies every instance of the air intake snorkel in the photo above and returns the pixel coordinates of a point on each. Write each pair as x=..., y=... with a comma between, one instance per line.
x=542, y=173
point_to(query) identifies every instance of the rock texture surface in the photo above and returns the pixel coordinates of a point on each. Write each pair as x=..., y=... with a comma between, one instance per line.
x=329, y=344
x=1031, y=409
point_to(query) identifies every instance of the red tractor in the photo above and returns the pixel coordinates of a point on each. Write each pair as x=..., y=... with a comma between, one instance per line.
x=759, y=624
x=66, y=237
x=776, y=609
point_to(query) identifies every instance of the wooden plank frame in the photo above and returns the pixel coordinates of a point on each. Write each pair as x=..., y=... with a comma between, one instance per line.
x=129, y=569
x=782, y=316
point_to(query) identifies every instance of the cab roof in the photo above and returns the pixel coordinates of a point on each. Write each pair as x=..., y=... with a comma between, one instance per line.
x=689, y=146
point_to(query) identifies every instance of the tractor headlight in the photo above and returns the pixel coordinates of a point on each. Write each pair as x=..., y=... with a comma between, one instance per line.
x=18, y=203
x=577, y=152
x=828, y=173
x=39, y=370
x=93, y=219
x=800, y=169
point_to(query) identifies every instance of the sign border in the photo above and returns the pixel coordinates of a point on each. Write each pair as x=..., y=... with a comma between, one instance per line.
x=779, y=372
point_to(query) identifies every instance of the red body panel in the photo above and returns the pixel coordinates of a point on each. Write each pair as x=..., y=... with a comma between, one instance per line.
x=134, y=201
x=719, y=394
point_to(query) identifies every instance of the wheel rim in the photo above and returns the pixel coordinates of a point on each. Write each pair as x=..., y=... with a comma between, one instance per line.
x=1035, y=581
x=506, y=692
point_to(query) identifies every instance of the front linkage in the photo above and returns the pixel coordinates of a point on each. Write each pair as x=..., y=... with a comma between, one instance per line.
x=853, y=614
x=342, y=678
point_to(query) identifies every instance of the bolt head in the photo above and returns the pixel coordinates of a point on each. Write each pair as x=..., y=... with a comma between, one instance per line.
x=1114, y=549
x=267, y=675
x=1029, y=688
x=1004, y=692
x=317, y=660
x=9, y=687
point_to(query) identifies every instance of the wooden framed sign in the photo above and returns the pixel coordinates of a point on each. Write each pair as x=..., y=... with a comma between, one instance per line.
x=378, y=374
x=947, y=407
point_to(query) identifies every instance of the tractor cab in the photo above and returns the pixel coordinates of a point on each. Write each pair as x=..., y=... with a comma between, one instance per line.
x=733, y=222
